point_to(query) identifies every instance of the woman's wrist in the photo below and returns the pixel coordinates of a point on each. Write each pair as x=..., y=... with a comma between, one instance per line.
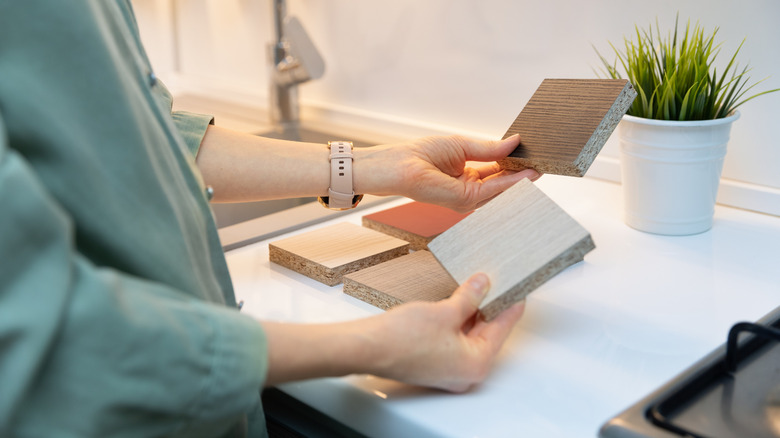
x=377, y=170
x=298, y=352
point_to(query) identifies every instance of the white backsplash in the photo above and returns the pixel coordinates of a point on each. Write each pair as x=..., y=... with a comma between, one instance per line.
x=461, y=65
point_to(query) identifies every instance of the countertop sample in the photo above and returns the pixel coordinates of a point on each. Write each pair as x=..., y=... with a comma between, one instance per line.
x=595, y=339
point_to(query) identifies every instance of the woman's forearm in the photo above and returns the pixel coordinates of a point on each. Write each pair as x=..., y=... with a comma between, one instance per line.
x=243, y=167
x=297, y=351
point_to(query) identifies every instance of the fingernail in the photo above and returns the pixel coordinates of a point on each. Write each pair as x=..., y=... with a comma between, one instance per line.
x=531, y=174
x=512, y=137
x=480, y=284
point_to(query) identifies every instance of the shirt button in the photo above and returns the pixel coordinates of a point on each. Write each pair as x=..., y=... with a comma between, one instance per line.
x=209, y=192
x=152, y=79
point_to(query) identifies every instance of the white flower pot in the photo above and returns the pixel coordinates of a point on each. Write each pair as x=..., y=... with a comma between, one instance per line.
x=671, y=171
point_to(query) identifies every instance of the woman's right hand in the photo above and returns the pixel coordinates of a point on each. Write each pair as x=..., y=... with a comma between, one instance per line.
x=446, y=344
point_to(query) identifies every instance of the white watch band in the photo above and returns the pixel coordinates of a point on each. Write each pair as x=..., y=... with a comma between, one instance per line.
x=340, y=193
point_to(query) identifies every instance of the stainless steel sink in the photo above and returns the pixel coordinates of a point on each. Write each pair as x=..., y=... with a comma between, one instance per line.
x=311, y=136
x=231, y=214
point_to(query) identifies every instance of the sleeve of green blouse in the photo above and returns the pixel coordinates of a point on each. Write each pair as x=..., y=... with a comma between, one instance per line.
x=90, y=351
x=191, y=126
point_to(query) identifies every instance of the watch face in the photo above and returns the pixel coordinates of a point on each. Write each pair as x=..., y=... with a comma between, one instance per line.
x=325, y=201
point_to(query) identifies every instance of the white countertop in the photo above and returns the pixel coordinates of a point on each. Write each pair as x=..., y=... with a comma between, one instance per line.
x=594, y=339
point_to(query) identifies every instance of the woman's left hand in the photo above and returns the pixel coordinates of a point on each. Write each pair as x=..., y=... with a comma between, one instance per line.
x=436, y=170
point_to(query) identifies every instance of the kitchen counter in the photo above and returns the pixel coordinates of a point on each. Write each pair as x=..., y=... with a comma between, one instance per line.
x=594, y=339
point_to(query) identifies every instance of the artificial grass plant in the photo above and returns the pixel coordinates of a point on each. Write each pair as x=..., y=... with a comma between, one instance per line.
x=678, y=80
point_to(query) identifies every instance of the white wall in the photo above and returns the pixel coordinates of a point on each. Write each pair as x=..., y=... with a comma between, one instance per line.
x=466, y=65
x=156, y=19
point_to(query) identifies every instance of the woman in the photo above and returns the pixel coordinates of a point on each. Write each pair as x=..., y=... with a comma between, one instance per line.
x=117, y=315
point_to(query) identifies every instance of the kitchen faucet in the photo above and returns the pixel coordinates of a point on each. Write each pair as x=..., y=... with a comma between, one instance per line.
x=294, y=60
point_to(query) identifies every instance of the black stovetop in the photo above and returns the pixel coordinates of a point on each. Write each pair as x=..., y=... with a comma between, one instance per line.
x=732, y=392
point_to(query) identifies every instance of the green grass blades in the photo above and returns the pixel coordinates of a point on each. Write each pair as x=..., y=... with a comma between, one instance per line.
x=676, y=77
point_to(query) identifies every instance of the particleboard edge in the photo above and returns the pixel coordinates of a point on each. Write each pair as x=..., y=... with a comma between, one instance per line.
x=574, y=254
x=369, y=295
x=323, y=274
x=541, y=166
x=605, y=129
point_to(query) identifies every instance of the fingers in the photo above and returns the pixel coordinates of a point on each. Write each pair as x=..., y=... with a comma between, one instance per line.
x=496, y=184
x=487, y=150
x=497, y=330
x=494, y=170
x=488, y=170
x=483, y=202
x=469, y=296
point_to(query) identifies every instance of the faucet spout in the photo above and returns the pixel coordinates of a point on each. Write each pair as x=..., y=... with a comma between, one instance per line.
x=294, y=60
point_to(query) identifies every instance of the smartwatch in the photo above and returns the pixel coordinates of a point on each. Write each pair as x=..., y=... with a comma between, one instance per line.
x=341, y=196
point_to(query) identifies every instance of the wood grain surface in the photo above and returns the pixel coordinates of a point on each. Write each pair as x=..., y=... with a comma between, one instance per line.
x=414, y=277
x=520, y=239
x=327, y=253
x=416, y=222
x=566, y=123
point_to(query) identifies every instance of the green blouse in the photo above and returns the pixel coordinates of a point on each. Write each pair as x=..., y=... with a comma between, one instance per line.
x=117, y=314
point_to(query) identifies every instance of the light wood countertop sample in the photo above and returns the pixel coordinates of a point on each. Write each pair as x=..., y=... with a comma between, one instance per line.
x=327, y=253
x=520, y=239
x=414, y=277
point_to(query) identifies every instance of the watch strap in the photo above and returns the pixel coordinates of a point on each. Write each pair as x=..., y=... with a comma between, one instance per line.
x=340, y=192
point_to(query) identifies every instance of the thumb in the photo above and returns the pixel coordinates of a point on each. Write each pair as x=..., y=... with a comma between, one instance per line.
x=490, y=150
x=470, y=294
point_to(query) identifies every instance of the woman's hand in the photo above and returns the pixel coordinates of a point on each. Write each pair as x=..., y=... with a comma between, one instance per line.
x=434, y=170
x=443, y=345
